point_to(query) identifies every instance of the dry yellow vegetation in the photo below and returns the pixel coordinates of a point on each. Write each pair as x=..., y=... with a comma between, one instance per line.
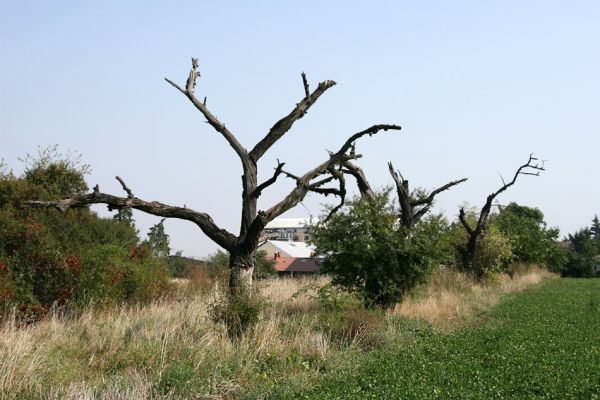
x=172, y=349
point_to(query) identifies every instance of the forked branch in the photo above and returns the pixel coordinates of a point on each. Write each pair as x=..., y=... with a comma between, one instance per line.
x=284, y=124
x=270, y=181
x=413, y=209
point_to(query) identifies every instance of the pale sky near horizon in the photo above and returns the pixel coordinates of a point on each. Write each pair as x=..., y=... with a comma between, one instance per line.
x=476, y=86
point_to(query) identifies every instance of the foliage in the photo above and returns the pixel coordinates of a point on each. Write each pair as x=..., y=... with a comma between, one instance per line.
x=158, y=240
x=183, y=267
x=49, y=257
x=439, y=233
x=238, y=310
x=263, y=268
x=582, y=254
x=532, y=242
x=539, y=345
x=124, y=214
x=493, y=253
x=366, y=253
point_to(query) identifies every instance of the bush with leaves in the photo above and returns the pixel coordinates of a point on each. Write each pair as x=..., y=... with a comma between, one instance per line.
x=366, y=253
x=494, y=251
x=237, y=310
x=582, y=255
x=532, y=241
x=48, y=257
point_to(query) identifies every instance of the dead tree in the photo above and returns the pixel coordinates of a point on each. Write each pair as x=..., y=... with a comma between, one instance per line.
x=468, y=250
x=411, y=209
x=241, y=247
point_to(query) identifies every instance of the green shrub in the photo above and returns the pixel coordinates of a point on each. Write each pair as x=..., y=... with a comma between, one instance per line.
x=48, y=257
x=366, y=253
x=238, y=310
x=493, y=254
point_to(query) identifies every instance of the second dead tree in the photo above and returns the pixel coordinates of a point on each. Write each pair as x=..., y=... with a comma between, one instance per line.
x=411, y=209
x=468, y=250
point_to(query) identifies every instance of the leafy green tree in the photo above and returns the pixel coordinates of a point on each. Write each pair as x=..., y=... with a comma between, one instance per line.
x=158, y=240
x=532, y=242
x=582, y=254
x=265, y=268
x=366, y=251
x=124, y=214
x=595, y=232
x=49, y=257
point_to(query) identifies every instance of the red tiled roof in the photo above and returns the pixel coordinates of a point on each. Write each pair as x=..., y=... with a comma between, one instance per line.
x=291, y=264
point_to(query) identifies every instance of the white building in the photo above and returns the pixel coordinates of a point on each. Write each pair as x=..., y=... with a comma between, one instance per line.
x=288, y=229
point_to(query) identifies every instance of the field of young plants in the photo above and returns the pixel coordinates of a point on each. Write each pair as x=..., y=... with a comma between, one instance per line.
x=543, y=343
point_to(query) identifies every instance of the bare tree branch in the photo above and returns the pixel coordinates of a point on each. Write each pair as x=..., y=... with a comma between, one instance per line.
x=437, y=191
x=125, y=188
x=305, y=83
x=203, y=220
x=338, y=158
x=282, y=126
x=210, y=118
x=464, y=222
x=409, y=214
x=361, y=180
x=341, y=192
x=270, y=181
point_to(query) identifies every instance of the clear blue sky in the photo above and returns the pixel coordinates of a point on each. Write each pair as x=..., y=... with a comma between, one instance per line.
x=476, y=86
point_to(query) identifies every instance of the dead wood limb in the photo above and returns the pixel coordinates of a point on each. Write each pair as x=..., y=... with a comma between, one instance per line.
x=210, y=117
x=278, y=171
x=204, y=221
x=282, y=126
x=532, y=167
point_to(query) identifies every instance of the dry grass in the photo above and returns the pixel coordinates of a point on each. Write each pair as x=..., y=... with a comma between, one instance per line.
x=450, y=299
x=125, y=353
x=171, y=349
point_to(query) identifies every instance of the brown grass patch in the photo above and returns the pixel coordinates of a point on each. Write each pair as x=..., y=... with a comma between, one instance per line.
x=450, y=299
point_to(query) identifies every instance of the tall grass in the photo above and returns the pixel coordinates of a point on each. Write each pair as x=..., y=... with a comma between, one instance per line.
x=171, y=348
x=450, y=299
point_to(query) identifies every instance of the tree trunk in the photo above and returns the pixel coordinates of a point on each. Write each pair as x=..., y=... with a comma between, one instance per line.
x=241, y=270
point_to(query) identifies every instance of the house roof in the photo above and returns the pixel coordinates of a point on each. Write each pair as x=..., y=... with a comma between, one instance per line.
x=291, y=264
x=289, y=223
x=292, y=249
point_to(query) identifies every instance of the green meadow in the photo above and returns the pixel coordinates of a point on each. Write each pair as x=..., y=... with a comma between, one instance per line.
x=543, y=343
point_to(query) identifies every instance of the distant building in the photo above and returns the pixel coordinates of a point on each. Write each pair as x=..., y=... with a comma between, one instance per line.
x=291, y=258
x=290, y=229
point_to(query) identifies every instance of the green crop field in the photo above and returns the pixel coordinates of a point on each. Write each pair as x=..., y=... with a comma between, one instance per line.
x=543, y=343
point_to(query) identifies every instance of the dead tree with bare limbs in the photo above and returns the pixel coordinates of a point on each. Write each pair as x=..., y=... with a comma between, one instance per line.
x=242, y=247
x=412, y=208
x=467, y=251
